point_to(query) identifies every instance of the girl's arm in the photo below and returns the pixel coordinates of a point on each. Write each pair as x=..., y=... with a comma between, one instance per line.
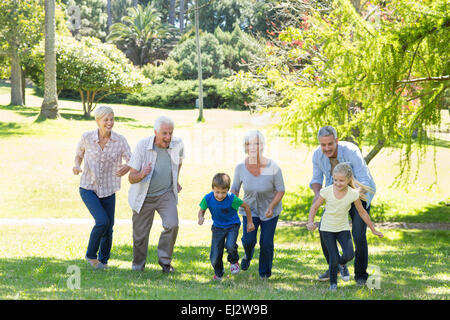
x=366, y=218
x=313, y=211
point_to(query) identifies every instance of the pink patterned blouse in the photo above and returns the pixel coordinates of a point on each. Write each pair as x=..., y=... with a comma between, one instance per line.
x=100, y=166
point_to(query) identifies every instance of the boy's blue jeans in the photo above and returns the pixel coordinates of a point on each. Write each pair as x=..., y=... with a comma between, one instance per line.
x=223, y=238
x=102, y=209
x=265, y=243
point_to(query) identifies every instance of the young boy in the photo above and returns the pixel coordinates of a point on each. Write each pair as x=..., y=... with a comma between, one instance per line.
x=223, y=206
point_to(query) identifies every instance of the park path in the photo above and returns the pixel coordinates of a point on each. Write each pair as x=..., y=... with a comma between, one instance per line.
x=71, y=221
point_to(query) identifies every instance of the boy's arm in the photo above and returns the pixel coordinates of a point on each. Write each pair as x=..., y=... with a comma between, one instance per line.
x=313, y=211
x=201, y=216
x=248, y=213
x=366, y=218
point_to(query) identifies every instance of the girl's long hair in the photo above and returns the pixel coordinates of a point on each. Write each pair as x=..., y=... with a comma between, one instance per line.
x=345, y=169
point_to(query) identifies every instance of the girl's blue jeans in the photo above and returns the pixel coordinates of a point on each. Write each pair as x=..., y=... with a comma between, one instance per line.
x=330, y=240
x=102, y=209
x=265, y=243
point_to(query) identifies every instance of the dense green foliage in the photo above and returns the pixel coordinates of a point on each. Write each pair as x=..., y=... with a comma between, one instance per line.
x=141, y=34
x=175, y=94
x=92, y=17
x=92, y=68
x=377, y=73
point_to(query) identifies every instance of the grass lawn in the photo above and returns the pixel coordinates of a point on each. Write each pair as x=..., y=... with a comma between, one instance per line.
x=414, y=265
x=36, y=181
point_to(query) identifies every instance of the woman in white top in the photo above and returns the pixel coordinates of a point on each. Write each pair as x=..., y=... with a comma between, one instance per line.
x=334, y=226
x=103, y=151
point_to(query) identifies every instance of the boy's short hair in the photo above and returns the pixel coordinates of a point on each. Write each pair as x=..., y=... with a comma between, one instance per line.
x=221, y=180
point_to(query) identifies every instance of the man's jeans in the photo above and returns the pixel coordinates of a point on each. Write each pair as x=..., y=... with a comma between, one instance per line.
x=345, y=240
x=102, y=209
x=359, y=229
x=265, y=242
x=223, y=238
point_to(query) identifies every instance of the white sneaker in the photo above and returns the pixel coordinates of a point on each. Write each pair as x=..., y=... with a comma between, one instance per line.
x=234, y=268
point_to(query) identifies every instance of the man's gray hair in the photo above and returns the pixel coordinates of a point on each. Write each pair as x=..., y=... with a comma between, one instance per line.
x=327, y=131
x=255, y=134
x=102, y=111
x=163, y=120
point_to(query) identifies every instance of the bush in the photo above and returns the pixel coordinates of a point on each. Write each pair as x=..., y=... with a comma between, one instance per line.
x=185, y=54
x=92, y=68
x=218, y=93
x=157, y=74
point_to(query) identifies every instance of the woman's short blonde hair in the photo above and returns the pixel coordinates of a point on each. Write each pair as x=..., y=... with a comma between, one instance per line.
x=102, y=111
x=252, y=135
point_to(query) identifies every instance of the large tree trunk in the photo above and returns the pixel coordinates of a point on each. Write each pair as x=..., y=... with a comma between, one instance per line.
x=49, y=107
x=172, y=12
x=16, y=78
x=199, y=65
x=108, y=9
x=376, y=149
x=182, y=12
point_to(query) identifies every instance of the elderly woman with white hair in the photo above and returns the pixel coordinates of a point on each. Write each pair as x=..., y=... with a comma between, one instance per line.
x=103, y=151
x=262, y=181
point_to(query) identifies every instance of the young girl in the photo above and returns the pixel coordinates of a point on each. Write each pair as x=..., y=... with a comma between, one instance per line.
x=334, y=226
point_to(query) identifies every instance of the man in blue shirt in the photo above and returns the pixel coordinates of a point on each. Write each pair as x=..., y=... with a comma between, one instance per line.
x=331, y=152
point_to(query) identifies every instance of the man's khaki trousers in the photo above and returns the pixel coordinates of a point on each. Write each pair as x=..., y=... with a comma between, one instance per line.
x=165, y=205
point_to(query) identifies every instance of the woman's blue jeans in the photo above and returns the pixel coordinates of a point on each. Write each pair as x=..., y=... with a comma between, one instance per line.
x=265, y=243
x=223, y=238
x=102, y=209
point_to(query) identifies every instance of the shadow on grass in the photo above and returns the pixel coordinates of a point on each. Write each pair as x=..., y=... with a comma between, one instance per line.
x=11, y=128
x=294, y=276
x=80, y=117
x=296, y=206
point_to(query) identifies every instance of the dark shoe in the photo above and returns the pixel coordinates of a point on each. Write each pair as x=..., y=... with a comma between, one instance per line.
x=167, y=268
x=343, y=270
x=325, y=276
x=333, y=287
x=360, y=282
x=245, y=264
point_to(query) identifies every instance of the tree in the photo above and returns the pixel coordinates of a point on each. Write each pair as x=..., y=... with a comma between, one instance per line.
x=93, y=18
x=199, y=64
x=49, y=107
x=141, y=34
x=212, y=58
x=22, y=28
x=377, y=72
x=94, y=69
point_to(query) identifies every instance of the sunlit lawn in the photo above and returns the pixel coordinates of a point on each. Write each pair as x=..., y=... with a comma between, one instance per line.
x=36, y=181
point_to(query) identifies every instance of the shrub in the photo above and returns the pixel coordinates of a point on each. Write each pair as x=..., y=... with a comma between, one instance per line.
x=185, y=54
x=92, y=68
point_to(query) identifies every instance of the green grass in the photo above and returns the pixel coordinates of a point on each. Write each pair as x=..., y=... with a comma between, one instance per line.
x=37, y=182
x=414, y=265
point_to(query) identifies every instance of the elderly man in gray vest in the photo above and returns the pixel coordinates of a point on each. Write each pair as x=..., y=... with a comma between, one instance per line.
x=155, y=167
x=331, y=152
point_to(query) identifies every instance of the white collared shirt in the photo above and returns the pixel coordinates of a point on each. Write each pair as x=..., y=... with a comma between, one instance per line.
x=100, y=166
x=143, y=154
